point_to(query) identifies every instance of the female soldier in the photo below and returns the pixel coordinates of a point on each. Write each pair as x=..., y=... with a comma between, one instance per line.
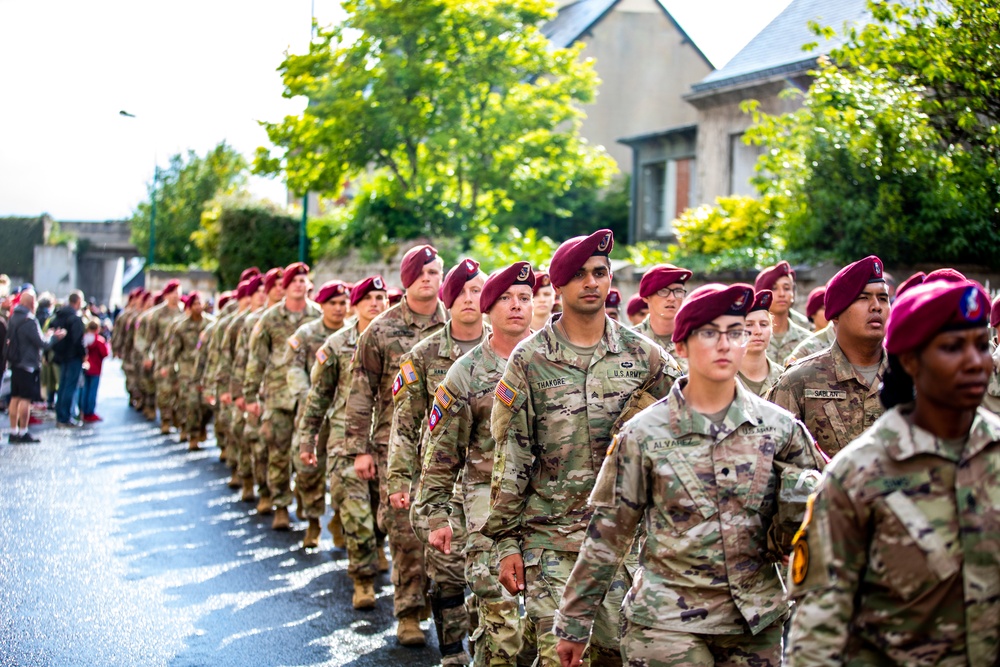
x=757, y=372
x=898, y=561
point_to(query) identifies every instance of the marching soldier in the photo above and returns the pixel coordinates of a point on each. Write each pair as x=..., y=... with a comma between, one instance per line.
x=663, y=288
x=823, y=335
x=785, y=333
x=182, y=355
x=757, y=372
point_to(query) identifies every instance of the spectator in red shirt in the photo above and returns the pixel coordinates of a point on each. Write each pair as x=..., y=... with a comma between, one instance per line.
x=97, y=349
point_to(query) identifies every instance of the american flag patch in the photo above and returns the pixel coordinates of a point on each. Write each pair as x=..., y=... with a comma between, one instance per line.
x=444, y=397
x=408, y=373
x=506, y=394
x=397, y=384
x=435, y=417
x=321, y=355
x=294, y=343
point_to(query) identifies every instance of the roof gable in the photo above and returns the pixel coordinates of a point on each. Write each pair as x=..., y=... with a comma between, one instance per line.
x=777, y=49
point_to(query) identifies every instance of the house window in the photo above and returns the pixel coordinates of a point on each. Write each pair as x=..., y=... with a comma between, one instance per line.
x=742, y=159
x=667, y=191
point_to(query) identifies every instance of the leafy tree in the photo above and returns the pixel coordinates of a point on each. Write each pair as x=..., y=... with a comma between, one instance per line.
x=451, y=113
x=182, y=190
x=253, y=233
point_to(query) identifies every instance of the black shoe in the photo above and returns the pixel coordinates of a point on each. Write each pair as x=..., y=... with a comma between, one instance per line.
x=28, y=438
x=14, y=438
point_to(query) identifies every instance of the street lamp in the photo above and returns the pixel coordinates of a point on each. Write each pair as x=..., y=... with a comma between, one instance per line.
x=152, y=206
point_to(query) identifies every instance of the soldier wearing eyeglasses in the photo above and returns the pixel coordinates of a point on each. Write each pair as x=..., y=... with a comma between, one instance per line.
x=663, y=289
x=720, y=479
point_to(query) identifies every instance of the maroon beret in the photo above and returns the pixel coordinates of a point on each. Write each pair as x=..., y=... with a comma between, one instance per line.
x=917, y=278
x=614, y=299
x=332, y=289
x=254, y=284
x=225, y=298
x=995, y=313
x=815, y=301
x=762, y=300
x=249, y=273
x=661, y=276
x=158, y=298
x=574, y=253
x=243, y=289
x=708, y=302
x=541, y=280
x=369, y=284
x=849, y=282
x=947, y=275
x=770, y=275
x=454, y=282
x=272, y=277
x=189, y=297
x=171, y=286
x=926, y=310
x=518, y=273
x=292, y=270
x=413, y=263
x=395, y=295
x=636, y=305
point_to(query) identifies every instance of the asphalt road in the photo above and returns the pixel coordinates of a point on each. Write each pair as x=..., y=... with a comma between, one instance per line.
x=120, y=547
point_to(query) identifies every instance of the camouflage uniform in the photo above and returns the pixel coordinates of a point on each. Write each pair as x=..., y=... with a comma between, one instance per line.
x=898, y=562
x=122, y=343
x=663, y=341
x=992, y=399
x=266, y=381
x=421, y=371
x=460, y=449
x=552, y=421
x=157, y=336
x=833, y=401
x=140, y=354
x=774, y=372
x=310, y=481
x=720, y=505
x=817, y=342
x=208, y=355
x=356, y=499
x=182, y=353
x=782, y=345
x=368, y=424
x=246, y=427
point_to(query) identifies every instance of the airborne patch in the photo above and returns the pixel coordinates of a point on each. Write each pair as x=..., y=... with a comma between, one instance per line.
x=444, y=397
x=407, y=372
x=435, y=417
x=397, y=384
x=506, y=394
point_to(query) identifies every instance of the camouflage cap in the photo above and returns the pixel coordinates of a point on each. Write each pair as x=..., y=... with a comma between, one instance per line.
x=928, y=309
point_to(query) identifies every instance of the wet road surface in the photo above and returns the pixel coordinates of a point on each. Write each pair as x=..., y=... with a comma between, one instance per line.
x=120, y=547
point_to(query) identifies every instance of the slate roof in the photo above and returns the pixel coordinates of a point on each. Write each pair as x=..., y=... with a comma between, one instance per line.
x=777, y=49
x=577, y=18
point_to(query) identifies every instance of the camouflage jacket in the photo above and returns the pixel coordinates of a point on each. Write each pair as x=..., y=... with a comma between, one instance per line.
x=267, y=374
x=774, y=372
x=182, y=349
x=156, y=332
x=421, y=370
x=215, y=336
x=329, y=384
x=374, y=369
x=239, y=336
x=301, y=355
x=460, y=445
x=663, y=341
x=826, y=393
x=124, y=336
x=781, y=346
x=552, y=421
x=708, y=497
x=817, y=342
x=898, y=562
x=992, y=399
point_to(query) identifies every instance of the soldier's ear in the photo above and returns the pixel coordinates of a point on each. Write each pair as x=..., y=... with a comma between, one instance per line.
x=910, y=361
x=682, y=349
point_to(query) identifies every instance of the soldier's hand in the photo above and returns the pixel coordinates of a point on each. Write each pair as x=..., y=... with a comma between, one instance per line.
x=400, y=501
x=254, y=409
x=163, y=372
x=570, y=653
x=241, y=404
x=308, y=458
x=364, y=466
x=226, y=398
x=512, y=573
x=440, y=539
x=147, y=364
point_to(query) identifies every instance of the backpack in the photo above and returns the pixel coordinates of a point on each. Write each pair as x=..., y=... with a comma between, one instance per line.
x=12, y=351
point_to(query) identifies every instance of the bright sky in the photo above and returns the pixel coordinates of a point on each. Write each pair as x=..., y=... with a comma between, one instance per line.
x=193, y=73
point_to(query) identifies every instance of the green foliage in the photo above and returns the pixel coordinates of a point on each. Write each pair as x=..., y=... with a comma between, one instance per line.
x=18, y=238
x=455, y=114
x=182, y=190
x=894, y=151
x=501, y=248
x=253, y=234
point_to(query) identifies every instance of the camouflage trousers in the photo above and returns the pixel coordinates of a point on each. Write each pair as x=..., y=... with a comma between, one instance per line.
x=498, y=637
x=147, y=386
x=257, y=448
x=223, y=417
x=651, y=647
x=310, y=481
x=545, y=575
x=166, y=398
x=195, y=413
x=357, y=503
x=276, y=428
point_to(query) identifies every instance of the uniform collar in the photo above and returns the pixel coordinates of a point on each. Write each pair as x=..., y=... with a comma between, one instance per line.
x=685, y=421
x=845, y=370
x=440, y=315
x=450, y=349
x=610, y=342
x=491, y=360
x=906, y=440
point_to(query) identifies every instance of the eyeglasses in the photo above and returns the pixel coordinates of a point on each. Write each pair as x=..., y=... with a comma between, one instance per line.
x=737, y=337
x=678, y=292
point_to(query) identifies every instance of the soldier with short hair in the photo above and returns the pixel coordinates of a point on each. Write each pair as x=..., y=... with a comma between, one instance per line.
x=835, y=392
x=785, y=332
x=719, y=479
x=182, y=354
x=562, y=391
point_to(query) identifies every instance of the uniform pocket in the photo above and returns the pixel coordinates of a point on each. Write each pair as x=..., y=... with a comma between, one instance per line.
x=690, y=505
